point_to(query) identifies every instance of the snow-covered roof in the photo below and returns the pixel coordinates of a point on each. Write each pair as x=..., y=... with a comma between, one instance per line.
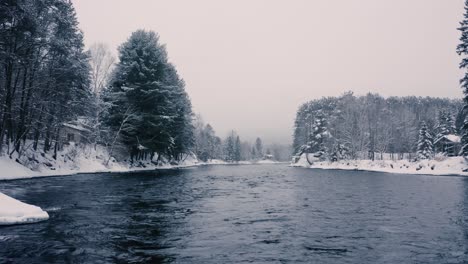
x=451, y=138
x=76, y=127
x=141, y=147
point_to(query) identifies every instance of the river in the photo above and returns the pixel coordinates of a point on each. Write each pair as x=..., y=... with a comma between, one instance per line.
x=241, y=214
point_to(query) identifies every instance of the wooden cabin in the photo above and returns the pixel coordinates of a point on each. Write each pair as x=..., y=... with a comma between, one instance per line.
x=73, y=133
x=449, y=144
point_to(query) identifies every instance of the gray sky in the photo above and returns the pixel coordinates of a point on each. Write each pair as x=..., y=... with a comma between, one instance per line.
x=249, y=64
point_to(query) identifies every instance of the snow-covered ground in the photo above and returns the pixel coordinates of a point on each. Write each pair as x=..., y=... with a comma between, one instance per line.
x=439, y=166
x=73, y=160
x=267, y=161
x=13, y=211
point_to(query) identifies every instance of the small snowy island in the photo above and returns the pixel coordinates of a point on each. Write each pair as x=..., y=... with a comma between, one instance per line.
x=13, y=211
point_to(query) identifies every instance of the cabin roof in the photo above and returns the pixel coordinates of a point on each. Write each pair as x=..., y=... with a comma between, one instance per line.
x=141, y=147
x=76, y=127
x=449, y=138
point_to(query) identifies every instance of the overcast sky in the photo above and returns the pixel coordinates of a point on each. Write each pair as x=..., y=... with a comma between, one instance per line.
x=249, y=64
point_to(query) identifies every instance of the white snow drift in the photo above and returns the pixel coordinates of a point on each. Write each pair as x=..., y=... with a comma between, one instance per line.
x=13, y=211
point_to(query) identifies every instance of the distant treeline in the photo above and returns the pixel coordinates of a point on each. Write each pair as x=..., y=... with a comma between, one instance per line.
x=208, y=146
x=358, y=127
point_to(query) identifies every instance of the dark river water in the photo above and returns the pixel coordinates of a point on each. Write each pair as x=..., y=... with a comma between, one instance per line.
x=241, y=214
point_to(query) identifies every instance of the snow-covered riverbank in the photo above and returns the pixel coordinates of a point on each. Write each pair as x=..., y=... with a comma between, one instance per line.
x=74, y=160
x=84, y=159
x=445, y=166
x=11, y=170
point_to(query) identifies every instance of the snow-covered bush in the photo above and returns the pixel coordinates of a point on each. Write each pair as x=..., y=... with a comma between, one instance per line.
x=440, y=157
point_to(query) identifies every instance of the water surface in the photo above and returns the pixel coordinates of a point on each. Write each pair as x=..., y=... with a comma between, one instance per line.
x=241, y=214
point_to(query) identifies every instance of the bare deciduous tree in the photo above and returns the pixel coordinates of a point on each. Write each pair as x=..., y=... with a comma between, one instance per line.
x=102, y=62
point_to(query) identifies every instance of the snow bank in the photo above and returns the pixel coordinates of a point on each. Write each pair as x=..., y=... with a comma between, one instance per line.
x=72, y=160
x=446, y=166
x=9, y=169
x=267, y=161
x=13, y=211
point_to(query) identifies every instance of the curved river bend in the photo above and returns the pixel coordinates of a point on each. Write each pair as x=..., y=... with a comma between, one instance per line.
x=241, y=214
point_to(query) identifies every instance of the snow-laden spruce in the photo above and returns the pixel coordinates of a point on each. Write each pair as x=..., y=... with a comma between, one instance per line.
x=148, y=107
x=425, y=147
x=462, y=50
x=13, y=211
x=445, y=125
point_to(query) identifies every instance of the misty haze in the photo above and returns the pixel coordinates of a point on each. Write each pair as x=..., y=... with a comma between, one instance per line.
x=233, y=131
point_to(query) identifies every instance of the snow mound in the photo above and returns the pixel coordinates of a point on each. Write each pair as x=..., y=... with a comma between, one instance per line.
x=13, y=211
x=13, y=170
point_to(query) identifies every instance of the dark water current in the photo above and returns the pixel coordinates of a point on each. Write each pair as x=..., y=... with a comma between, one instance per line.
x=241, y=214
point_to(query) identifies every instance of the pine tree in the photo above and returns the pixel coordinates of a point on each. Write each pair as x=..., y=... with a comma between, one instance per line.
x=147, y=83
x=319, y=136
x=462, y=50
x=206, y=142
x=425, y=147
x=445, y=125
x=237, y=149
x=258, y=148
x=229, y=152
x=253, y=153
x=211, y=141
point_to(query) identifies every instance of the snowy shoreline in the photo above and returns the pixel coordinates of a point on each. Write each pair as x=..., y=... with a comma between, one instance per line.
x=12, y=170
x=17, y=171
x=449, y=166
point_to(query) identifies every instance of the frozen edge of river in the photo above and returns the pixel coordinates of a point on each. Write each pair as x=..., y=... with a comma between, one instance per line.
x=14, y=212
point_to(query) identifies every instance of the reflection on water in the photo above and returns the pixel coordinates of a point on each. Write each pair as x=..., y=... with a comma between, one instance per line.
x=236, y=214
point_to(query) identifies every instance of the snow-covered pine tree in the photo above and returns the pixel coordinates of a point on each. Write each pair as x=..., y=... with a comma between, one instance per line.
x=445, y=125
x=152, y=88
x=442, y=129
x=425, y=147
x=258, y=148
x=237, y=149
x=253, y=153
x=211, y=140
x=318, y=136
x=229, y=150
x=206, y=142
x=338, y=152
x=462, y=50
